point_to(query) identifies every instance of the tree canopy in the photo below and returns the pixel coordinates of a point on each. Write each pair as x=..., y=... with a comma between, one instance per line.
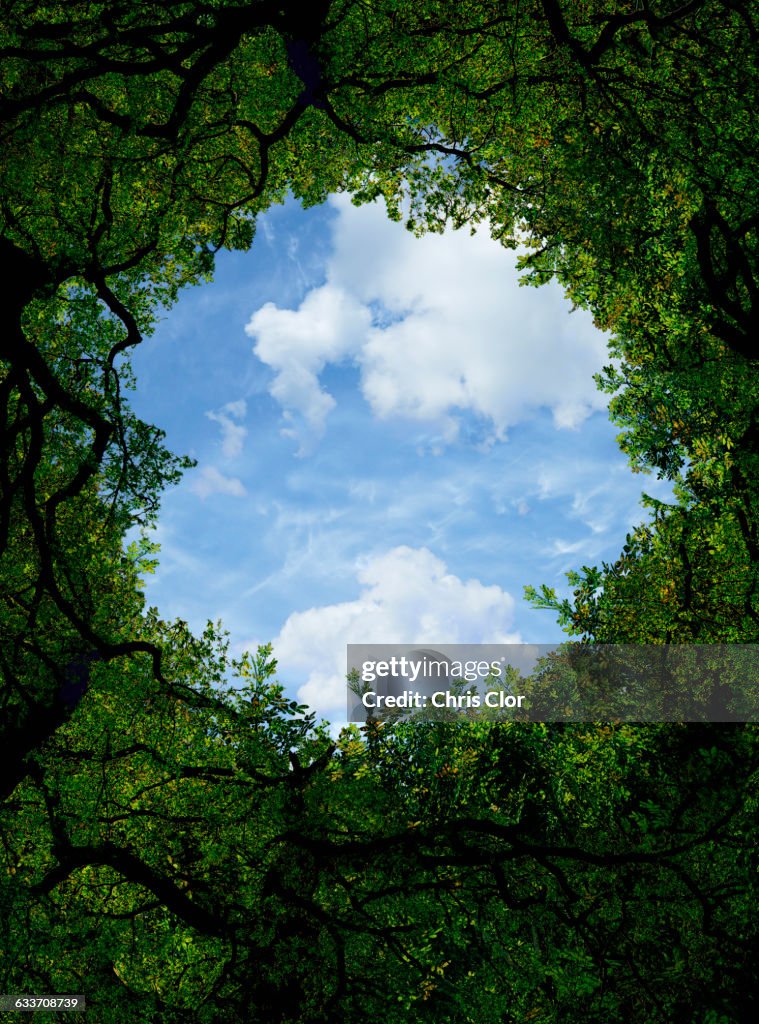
x=172, y=848
x=240, y=865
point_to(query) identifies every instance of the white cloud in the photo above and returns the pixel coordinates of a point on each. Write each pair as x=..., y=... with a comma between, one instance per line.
x=297, y=344
x=407, y=596
x=232, y=434
x=565, y=547
x=208, y=480
x=437, y=326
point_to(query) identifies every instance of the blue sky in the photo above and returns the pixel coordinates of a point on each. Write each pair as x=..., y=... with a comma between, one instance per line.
x=392, y=438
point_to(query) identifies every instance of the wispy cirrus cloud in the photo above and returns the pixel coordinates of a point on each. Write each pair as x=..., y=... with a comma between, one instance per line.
x=233, y=432
x=209, y=480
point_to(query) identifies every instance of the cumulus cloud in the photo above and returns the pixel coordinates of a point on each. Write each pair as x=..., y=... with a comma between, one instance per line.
x=233, y=433
x=407, y=596
x=329, y=326
x=209, y=480
x=438, y=326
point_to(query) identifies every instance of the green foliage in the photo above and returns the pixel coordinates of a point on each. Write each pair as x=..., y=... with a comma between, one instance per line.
x=614, y=142
x=213, y=863
x=179, y=840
